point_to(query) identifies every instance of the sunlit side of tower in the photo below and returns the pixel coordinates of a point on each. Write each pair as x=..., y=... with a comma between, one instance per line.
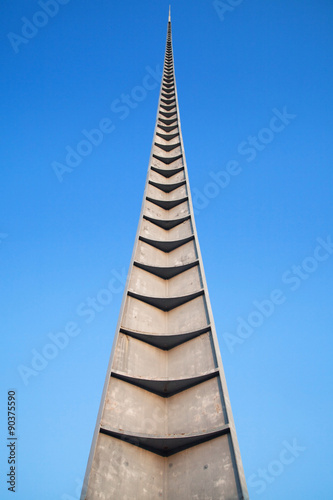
x=165, y=428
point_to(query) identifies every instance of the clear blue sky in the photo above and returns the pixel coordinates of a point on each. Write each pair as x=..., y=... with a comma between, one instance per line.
x=62, y=243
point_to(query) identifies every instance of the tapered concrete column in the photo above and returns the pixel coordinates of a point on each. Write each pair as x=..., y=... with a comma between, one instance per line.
x=165, y=428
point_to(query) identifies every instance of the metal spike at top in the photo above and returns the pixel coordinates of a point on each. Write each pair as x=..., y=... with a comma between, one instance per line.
x=169, y=13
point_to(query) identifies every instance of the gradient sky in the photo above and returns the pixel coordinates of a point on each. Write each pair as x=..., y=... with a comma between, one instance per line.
x=265, y=231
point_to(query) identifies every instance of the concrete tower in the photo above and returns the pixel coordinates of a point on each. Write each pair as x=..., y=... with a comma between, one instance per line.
x=165, y=428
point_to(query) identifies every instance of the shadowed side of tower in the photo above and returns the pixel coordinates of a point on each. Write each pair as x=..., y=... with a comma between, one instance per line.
x=165, y=428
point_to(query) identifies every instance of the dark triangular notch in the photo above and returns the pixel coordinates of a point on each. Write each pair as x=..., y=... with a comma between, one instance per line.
x=168, y=108
x=167, y=224
x=167, y=114
x=164, y=94
x=166, y=128
x=168, y=85
x=167, y=204
x=166, y=446
x=165, y=388
x=165, y=342
x=166, y=304
x=167, y=188
x=166, y=246
x=167, y=147
x=167, y=121
x=168, y=91
x=167, y=173
x=167, y=160
x=169, y=101
x=167, y=137
x=166, y=273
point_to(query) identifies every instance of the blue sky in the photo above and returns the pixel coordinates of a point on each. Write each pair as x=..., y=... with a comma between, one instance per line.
x=265, y=230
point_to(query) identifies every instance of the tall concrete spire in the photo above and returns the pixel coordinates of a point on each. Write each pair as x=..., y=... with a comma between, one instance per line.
x=165, y=428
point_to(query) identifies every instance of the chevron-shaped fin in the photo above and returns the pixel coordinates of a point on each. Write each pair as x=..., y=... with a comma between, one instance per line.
x=167, y=204
x=167, y=137
x=167, y=173
x=165, y=388
x=167, y=147
x=166, y=246
x=167, y=107
x=167, y=224
x=166, y=121
x=166, y=446
x=166, y=273
x=168, y=115
x=167, y=188
x=165, y=342
x=167, y=160
x=168, y=102
x=165, y=94
x=167, y=129
x=166, y=303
